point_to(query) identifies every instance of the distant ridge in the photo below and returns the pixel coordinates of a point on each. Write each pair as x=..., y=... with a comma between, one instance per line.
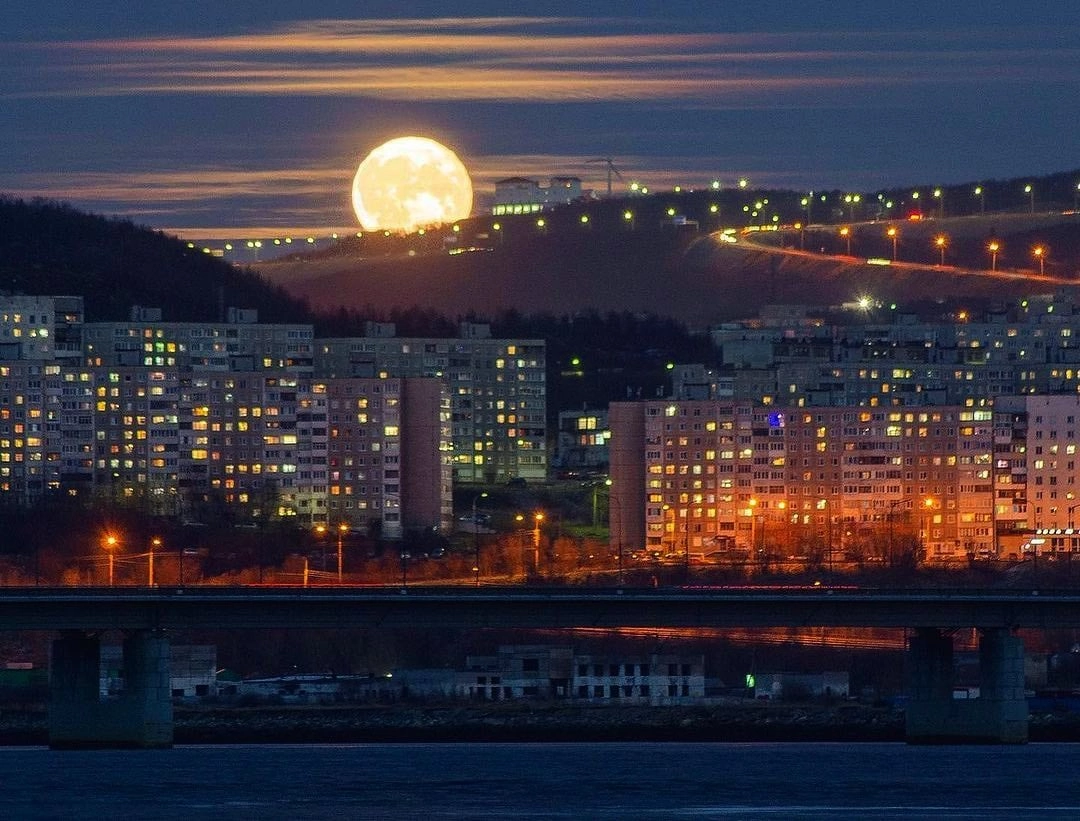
x=52, y=248
x=687, y=275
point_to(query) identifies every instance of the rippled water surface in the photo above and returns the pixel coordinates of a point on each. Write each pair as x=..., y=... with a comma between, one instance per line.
x=596, y=782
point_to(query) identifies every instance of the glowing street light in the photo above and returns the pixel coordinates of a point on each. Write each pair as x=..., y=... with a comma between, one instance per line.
x=851, y=200
x=342, y=529
x=155, y=544
x=981, y=194
x=1076, y=197
x=941, y=242
x=110, y=543
x=993, y=248
x=845, y=232
x=929, y=504
x=320, y=532
x=1030, y=191
x=894, y=235
x=940, y=197
x=628, y=218
x=1039, y=252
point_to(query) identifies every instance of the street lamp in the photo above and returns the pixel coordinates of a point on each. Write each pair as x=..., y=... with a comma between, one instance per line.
x=110, y=543
x=1039, y=252
x=940, y=197
x=476, y=537
x=538, y=519
x=823, y=504
x=751, y=511
x=851, y=200
x=993, y=248
x=941, y=241
x=320, y=532
x=928, y=506
x=981, y=194
x=342, y=529
x=894, y=235
x=155, y=544
x=845, y=232
x=1030, y=191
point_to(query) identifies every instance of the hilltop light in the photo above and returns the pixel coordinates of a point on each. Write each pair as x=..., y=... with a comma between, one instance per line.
x=865, y=303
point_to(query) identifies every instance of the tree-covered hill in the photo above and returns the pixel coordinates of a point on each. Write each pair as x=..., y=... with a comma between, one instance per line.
x=52, y=248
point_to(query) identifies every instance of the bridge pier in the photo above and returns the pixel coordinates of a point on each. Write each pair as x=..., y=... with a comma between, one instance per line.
x=998, y=716
x=140, y=717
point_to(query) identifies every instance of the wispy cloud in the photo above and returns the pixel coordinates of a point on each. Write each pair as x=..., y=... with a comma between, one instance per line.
x=514, y=59
x=189, y=185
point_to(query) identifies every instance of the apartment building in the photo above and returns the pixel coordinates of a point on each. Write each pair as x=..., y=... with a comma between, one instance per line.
x=1030, y=348
x=693, y=476
x=182, y=418
x=496, y=387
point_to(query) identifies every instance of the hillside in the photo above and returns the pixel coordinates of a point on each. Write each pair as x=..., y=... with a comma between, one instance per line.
x=50, y=248
x=679, y=272
x=608, y=266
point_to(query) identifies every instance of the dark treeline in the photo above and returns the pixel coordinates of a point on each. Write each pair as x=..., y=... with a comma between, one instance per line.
x=52, y=248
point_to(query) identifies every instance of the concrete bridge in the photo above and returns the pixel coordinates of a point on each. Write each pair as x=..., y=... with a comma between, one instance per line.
x=143, y=716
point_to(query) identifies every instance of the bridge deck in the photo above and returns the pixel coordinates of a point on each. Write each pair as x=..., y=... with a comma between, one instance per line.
x=496, y=607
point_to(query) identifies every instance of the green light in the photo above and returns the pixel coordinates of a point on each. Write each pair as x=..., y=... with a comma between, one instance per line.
x=751, y=682
x=575, y=361
x=671, y=366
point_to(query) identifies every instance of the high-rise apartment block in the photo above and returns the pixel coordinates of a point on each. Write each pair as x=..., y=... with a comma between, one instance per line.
x=497, y=391
x=185, y=417
x=697, y=476
x=861, y=440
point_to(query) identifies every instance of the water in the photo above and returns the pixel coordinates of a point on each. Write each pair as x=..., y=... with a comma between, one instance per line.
x=590, y=782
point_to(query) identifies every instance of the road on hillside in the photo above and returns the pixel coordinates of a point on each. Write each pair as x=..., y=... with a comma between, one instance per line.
x=751, y=239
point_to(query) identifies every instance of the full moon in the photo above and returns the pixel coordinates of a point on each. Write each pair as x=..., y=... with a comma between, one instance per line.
x=410, y=182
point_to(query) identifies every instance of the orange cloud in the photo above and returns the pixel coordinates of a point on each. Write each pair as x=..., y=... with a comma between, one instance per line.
x=511, y=59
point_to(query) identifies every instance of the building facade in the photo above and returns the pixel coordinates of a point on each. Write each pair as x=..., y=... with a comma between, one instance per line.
x=825, y=483
x=184, y=418
x=497, y=391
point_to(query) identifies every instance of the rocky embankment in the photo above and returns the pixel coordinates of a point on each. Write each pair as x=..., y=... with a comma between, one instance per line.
x=539, y=723
x=516, y=722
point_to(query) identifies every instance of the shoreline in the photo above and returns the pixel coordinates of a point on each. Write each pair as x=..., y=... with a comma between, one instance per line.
x=531, y=723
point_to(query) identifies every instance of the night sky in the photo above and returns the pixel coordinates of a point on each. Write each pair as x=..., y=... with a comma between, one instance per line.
x=234, y=118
